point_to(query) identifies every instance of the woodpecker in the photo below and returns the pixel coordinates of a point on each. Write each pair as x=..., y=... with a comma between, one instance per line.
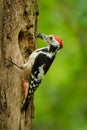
x=38, y=64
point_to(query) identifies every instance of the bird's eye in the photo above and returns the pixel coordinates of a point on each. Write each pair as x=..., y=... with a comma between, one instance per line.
x=51, y=38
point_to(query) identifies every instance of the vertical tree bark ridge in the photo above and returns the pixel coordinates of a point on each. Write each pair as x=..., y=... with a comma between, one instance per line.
x=18, y=30
x=1, y=28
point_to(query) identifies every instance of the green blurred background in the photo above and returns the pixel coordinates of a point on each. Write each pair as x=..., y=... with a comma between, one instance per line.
x=61, y=99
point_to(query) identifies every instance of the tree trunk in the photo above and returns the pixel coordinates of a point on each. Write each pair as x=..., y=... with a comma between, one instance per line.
x=18, y=30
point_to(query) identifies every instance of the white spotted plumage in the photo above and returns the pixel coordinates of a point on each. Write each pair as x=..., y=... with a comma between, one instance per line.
x=39, y=62
x=41, y=73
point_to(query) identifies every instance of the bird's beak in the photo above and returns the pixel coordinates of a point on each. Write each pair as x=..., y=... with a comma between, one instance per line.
x=42, y=36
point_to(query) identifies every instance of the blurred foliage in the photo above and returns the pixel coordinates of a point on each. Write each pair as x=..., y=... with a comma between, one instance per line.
x=61, y=100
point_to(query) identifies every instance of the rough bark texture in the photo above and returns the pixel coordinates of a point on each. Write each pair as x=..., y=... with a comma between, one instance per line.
x=18, y=30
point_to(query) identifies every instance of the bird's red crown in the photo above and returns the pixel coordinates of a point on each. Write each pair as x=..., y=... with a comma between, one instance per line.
x=59, y=40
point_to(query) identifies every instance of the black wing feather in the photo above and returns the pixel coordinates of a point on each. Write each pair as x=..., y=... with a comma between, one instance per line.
x=41, y=59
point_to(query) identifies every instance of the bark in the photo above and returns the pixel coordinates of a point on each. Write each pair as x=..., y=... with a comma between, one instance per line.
x=18, y=30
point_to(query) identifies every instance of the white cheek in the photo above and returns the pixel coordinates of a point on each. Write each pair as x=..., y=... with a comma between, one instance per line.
x=55, y=43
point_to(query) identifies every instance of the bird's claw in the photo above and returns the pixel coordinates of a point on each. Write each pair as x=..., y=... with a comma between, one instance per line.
x=9, y=62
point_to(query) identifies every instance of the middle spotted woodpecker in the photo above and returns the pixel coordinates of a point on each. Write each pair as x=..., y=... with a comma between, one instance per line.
x=38, y=64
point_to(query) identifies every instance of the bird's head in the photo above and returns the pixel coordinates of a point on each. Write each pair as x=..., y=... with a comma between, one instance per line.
x=52, y=40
